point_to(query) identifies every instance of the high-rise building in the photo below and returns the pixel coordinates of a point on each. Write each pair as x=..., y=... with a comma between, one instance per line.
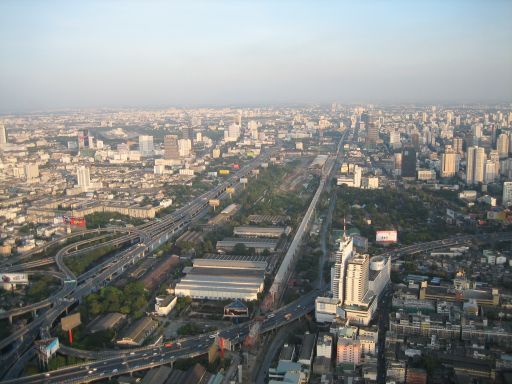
x=372, y=131
x=356, y=280
x=252, y=126
x=476, y=129
x=408, y=162
x=415, y=140
x=3, y=135
x=171, y=149
x=507, y=193
x=449, y=162
x=187, y=132
x=503, y=145
x=31, y=171
x=458, y=145
x=490, y=173
x=83, y=138
x=343, y=254
x=146, y=146
x=83, y=177
x=184, y=147
x=475, y=165
x=232, y=133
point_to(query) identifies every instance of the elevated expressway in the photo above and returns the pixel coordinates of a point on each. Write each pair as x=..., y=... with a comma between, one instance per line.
x=152, y=235
x=108, y=364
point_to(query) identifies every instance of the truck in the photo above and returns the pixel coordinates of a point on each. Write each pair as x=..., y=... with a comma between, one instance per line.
x=288, y=316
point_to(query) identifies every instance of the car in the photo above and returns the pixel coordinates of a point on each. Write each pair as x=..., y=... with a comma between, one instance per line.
x=213, y=336
x=89, y=372
x=47, y=374
x=154, y=354
x=132, y=353
x=102, y=373
x=115, y=370
x=125, y=362
x=271, y=315
x=95, y=369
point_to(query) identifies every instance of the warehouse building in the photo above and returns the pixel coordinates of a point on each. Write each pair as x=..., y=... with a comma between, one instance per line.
x=260, y=245
x=138, y=332
x=223, y=279
x=270, y=232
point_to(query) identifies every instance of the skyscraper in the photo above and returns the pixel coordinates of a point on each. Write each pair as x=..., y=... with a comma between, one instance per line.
x=357, y=279
x=3, y=135
x=503, y=145
x=372, y=131
x=83, y=177
x=490, y=173
x=449, y=162
x=475, y=163
x=146, y=146
x=171, y=149
x=343, y=254
x=408, y=162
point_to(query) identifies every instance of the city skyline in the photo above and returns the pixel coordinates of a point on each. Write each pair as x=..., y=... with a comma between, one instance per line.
x=112, y=54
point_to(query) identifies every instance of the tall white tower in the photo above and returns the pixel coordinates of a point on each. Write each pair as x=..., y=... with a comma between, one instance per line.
x=84, y=178
x=344, y=254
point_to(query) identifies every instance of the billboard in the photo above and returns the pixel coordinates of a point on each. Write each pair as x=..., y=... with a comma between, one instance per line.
x=386, y=237
x=244, y=180
x=224, y=172
x=69, y=322
x=230, y=190
x=47, y=348
x=75, y=221
x=214, y=202
x=14, y=278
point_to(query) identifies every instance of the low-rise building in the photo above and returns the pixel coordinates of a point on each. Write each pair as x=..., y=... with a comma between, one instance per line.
x=138, y=332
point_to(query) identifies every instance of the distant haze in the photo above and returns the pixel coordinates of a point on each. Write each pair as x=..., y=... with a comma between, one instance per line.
x=68, y=54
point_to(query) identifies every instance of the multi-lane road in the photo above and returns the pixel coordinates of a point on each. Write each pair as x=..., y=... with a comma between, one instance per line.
x=152, y=235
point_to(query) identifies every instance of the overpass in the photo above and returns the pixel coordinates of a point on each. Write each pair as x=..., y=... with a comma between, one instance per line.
x=153, y=235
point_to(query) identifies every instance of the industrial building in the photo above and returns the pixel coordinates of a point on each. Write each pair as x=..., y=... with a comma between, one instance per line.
x=223, y=279
x=259, y=245
x=165, y=304
x=252, y=231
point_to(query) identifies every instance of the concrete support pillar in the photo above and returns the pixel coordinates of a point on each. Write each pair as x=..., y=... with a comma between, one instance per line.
x=10, y=320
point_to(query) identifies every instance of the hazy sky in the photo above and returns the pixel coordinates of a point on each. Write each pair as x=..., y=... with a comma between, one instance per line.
x=59, y=54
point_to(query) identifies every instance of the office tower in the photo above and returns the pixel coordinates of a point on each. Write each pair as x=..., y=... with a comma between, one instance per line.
x=408, y=162
x=343, y=254
x=184, y=147
x=31, y=171
x=458, y=145
x=171, y=149
x=372, y=132
x=238, y=120
x=507, y=193
x=356, y=280
x=503, y=145
x=494, y=156
x=3, y=135
x=83, y=177
x=187, y=132
x=449, y=163
x=475, y=163
x=146, y=146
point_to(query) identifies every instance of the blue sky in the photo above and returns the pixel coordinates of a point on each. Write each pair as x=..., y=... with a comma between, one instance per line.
x=66, y=54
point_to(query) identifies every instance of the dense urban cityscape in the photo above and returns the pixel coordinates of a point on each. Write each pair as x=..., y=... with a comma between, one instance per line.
x=299, y=244
x=256, y=192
